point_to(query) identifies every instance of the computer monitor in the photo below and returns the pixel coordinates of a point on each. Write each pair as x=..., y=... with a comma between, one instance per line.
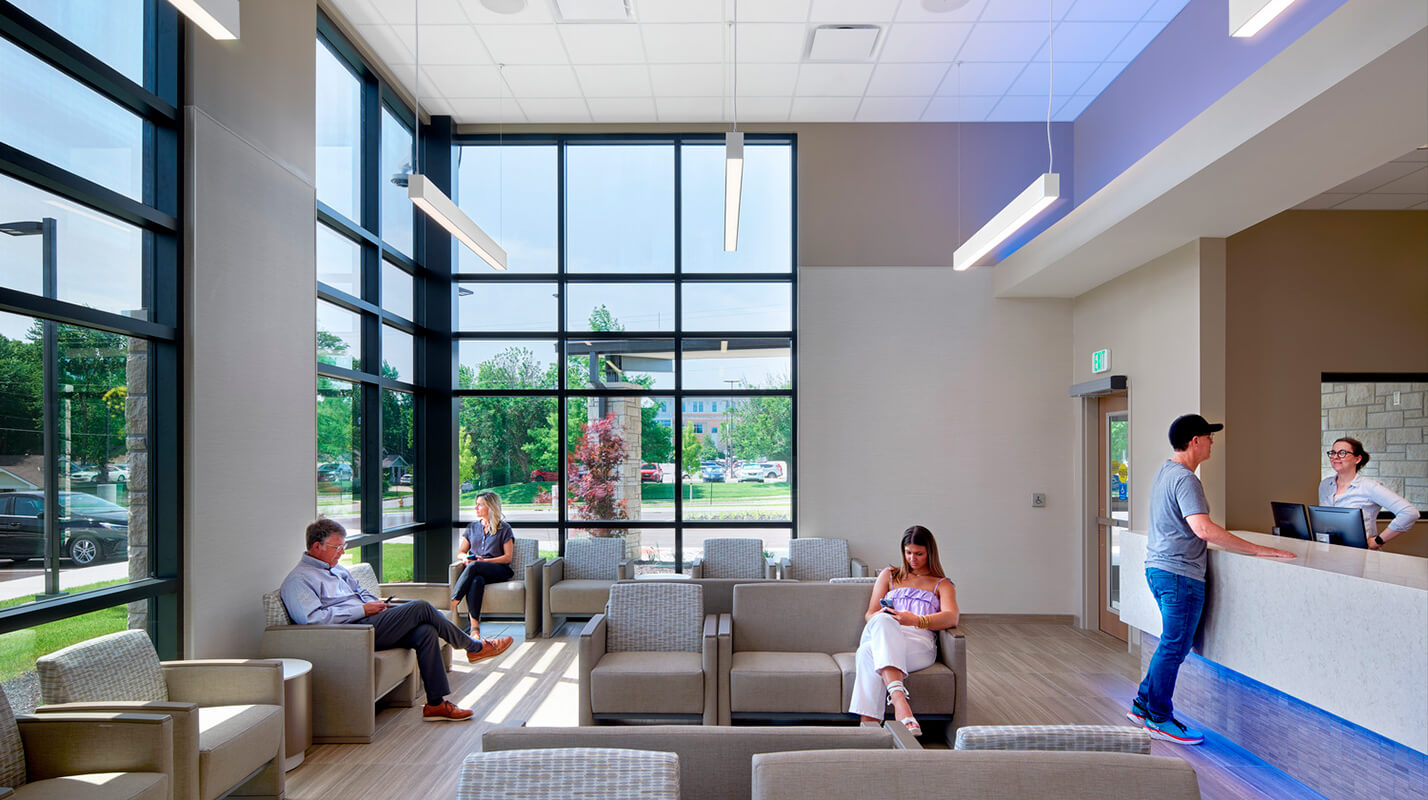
x=1343, y=526
x=1290, y=519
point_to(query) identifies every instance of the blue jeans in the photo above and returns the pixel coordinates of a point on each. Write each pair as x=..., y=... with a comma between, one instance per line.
x=1181, y=600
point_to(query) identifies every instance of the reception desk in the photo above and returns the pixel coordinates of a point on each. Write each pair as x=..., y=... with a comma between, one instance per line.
x=1337, y=630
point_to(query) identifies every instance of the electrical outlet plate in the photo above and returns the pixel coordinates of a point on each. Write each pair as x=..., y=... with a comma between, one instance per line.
x=1038, y=500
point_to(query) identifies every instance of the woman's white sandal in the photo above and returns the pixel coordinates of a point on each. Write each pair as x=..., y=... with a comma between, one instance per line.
x=909, y=722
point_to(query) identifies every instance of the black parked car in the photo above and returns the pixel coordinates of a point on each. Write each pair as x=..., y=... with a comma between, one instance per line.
x=91, y=529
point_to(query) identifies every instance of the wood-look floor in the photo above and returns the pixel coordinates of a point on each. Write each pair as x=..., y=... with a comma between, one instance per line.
x=1018, y=673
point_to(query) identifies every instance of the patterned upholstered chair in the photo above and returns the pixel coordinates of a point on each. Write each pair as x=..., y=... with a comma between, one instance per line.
x=574, y=773
x=517, y=597
x=345, y=666
x=577, y=584
x=651, y=655
x=227, y=714
x=86, y=756
x=820, y=560
x=1079, y=738
x=733, y=558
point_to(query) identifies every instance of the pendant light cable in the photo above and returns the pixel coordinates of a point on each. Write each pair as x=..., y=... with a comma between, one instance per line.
x=416, y=89
x=1050, y=76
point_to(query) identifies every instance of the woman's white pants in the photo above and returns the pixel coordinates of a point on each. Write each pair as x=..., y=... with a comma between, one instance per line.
x=885, y=643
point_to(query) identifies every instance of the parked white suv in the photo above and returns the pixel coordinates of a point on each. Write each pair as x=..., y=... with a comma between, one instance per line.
x=759, y=471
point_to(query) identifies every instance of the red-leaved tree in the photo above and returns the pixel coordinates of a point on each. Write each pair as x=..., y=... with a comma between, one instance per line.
x=591, y=473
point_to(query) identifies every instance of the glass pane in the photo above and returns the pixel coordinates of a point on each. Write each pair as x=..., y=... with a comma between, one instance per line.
x=339, y=135
x=396, y=166
x=19, y=650
x=1118, y=432
x=507, y=307
x=398, y=458
x=110, y=30
x=620, y=307
x=1113, y=574
x=498, y=365
x=397, y=291
x=619, y=208
x=339, y=261
x=620, y=364
x=620, y=449
x=398, y=355
x=397, y=565
x=775, y=541
x=652, y=549
x=510, y=191
x=765, y=210
x=55, y=118
x=508, y=445
x=745, y=447
x=339, y=336
x=738, y=307
x=737, y=363
x=99, y=261
x=339, y=452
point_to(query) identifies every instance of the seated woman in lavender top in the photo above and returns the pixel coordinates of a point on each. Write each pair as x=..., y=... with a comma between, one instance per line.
x=899, y=639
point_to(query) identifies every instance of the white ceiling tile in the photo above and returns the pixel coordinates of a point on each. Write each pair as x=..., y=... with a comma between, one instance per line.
x=359, y=12
x=1102, y=77
x=690, y=109
x=915, y=11
x=483, y=110
x=694, y=43
x=1379, y=202
x=603, y=44
x=1323, y=201
x=891, y=109
x=764, y=109
x=622, y=109
x=1165, y=10
x=523, y=44
x=544, y=80
x=535, y=11
x=1067, y=78
x=460, y=81
x=1374, y=178
x=767, y=80
x=1140, y=36
x=1018, y=108
x=689, y=80
x=904, y=80
x=771, y=42
x=924, y=42
x=385, y=42
x=1003, y=41
x=833, y=80
x=1072, y=108
x=949, y=109
x=1085, y=41
x=1120, y=10
x=436, y=105
x=824, y=109
x=1024, y=11
x=563, y=109
x=980, y=78
x=853, y=11
x=450, y=44
x=647, y=11
x=1412, y=183
x=614, y=80
x=433, y=12
x=772, y=10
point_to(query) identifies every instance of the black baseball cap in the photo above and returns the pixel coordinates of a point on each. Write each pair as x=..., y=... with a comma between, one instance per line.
x=1185, y=428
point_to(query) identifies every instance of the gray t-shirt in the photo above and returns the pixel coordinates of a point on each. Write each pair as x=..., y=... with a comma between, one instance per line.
x=1174, y=495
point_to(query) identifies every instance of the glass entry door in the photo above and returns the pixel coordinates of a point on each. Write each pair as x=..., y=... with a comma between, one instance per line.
x=1113, y=507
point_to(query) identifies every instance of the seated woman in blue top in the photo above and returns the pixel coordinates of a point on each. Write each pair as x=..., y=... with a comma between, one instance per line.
x=1347, y=489
x=898, y=635
x=487, y=546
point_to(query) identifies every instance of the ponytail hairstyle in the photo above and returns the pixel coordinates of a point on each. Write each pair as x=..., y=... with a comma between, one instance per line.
x=1358, y=448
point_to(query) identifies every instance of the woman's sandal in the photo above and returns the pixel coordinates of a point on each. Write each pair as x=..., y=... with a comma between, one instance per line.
x=909, y=722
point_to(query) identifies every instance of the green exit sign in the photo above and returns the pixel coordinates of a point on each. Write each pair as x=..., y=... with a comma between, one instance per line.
x=1100, y=360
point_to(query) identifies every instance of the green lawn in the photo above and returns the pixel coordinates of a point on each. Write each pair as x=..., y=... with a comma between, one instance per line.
x=19, y=649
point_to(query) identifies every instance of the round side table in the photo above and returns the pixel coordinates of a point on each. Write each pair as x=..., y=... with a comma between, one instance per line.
x=297, y=700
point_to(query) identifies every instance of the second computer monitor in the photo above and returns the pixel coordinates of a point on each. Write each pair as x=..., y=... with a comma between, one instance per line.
x=1343, y=526
x=1290, y=519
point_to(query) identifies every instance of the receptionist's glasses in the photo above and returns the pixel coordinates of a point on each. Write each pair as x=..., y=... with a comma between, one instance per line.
x=1339, y=453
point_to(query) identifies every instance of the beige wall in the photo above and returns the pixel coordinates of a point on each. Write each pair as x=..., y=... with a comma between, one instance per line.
x=1313, y=292
x=249, y=424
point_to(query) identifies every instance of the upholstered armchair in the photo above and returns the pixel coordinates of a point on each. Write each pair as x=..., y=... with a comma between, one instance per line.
x=578, y=583
x=85, y=756
x=733, y=558
x=651, y=655
x=346, y=666
x=576, y=773
x=820, y=560
x=519, y=597
x=227, y=714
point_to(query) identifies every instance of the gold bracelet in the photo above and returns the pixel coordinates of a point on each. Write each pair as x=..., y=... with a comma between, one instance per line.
x=922, y=622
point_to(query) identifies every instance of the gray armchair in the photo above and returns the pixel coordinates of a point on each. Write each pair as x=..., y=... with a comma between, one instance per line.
x=820, y=560
x=591, y=773
x=733, y=558
x=651, y=655
x=227, y=714
x=520, y=596
x=86, y=756
x=578, y=583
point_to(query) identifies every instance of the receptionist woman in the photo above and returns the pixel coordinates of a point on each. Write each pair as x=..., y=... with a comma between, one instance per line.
x=1347, y=489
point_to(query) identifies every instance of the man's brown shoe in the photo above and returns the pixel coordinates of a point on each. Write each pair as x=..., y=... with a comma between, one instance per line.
x=490, y=648
x=446, y=712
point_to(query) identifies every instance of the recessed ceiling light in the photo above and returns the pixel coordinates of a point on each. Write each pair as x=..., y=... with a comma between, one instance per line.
x=943, y=6
x=505, y=6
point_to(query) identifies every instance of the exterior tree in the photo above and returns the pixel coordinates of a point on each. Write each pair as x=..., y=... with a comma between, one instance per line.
x=465, y=460
x=690, y=448
x=656, y=441
x=708, y=451
x=594, y=465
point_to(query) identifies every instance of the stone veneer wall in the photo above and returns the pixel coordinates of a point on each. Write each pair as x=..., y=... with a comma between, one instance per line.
x=1394, y=434
x=136, y=422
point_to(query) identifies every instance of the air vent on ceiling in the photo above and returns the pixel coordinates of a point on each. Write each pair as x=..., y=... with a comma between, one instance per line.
x=594, y=10
x=843, y=42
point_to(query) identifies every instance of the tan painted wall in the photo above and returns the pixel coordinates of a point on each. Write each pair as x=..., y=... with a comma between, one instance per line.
x=249, y=427
x=1313, y=292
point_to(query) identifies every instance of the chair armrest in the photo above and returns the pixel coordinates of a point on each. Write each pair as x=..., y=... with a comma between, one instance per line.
x=58, y=744
x=625, y=569
x=710, y=659
x=696, y=568
x=770, y=568
x=952, y=651
x=554, y=571
x=342, y=652
x=902, y=737
x=435, y=593
x=225, y=682
x=185, y=733
x=783, y=565
x=1079, y=738
x=592, y=647
x=724, y=630
x=857, y=569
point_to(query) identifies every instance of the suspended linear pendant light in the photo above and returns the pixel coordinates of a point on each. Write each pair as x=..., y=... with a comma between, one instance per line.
x=433, y=202
x=1248, y=17
x=217, y=18
x=733, y=157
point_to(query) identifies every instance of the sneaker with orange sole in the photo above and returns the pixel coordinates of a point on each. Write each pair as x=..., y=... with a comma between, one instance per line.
x=490, y=648
x=445, y=712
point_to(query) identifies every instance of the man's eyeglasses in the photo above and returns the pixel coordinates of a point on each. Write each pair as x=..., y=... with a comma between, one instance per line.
x=338, y=547
x=1339, y=453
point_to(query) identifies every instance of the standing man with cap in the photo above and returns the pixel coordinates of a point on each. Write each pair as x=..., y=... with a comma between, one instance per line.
x=1175, y=560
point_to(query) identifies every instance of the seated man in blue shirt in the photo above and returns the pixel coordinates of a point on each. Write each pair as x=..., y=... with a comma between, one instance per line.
x=319, y=591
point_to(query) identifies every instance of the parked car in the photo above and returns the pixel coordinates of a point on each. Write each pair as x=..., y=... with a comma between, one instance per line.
x=405, y=480
x=651, y=473
x=91, y=529
x=712, y=472
x=544, y=475
x=334, y=471
x=759, y=471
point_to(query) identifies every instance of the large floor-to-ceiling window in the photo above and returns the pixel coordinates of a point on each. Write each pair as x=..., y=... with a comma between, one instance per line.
x=626, y=376
x=89, y=233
